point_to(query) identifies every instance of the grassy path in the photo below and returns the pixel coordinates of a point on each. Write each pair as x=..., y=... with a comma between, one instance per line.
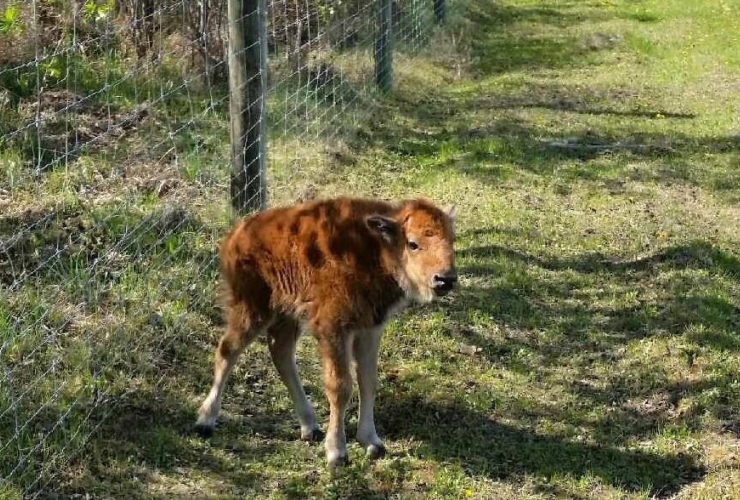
x=593, y=150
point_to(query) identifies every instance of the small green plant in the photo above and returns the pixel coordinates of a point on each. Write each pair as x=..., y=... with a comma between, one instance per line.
x=98, y=11
x=644, y=16
x=11, y=168
x=11, y=22
x=9, y=492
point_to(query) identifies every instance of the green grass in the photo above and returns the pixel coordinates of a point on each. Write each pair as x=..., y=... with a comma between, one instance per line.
x=592, y=149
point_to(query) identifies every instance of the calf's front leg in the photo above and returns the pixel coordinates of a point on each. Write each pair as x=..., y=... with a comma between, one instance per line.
x=335, y=356
x=366, y=345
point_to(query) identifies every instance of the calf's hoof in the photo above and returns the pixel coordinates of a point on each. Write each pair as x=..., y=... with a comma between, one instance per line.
x=313, y=435
x=203, y=430
x=375, y=451
x=337, y=463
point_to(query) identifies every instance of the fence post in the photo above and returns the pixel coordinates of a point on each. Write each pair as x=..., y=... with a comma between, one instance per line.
x=383, y=48
x=416, y=31
x=440, y=11
x=247, y=78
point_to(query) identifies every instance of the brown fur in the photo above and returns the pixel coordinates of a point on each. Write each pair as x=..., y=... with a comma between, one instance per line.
x=337, y=268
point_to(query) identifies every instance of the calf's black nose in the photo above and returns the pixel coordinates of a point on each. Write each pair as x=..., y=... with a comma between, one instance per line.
x=445, y=282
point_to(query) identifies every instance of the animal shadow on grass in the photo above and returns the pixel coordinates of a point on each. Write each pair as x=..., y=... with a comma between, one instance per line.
x=452, y=432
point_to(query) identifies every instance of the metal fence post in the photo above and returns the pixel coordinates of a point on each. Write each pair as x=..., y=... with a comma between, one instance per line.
x=247, y=80
x=383, y=46
x=440, y=11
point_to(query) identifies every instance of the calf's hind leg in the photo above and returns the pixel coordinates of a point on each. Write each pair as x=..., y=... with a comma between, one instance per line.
x=241, y=330
x=282, y=337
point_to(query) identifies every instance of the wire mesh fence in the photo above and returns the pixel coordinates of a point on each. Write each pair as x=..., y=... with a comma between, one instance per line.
x=115, y=173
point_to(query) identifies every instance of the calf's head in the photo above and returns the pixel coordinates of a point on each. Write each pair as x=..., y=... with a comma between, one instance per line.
x=423, y=238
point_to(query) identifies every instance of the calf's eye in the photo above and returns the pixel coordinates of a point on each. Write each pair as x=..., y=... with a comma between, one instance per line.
x=413, y=245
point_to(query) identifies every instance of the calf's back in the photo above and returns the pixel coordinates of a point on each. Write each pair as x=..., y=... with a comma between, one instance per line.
x=318, y=261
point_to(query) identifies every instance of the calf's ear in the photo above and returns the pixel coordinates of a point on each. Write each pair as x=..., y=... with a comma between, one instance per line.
x=386, y=227
x=451, y=211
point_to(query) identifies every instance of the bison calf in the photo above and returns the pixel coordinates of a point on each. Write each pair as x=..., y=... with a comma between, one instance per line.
x=338, y=269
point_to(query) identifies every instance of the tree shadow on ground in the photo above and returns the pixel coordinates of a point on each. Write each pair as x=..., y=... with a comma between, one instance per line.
x=492, y=153
x=145, y=449
x=436, y=127
x=452, y=432
x=504, y=41
x=528, y=293
x=677, y=306
x=44, y=245
x=697, y=254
